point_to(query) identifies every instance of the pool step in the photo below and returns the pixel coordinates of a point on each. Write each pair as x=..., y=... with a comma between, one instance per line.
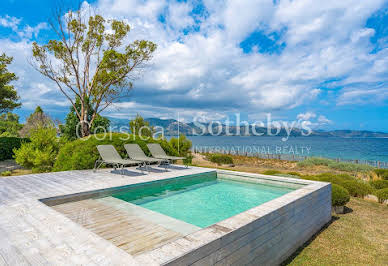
x=127, y=231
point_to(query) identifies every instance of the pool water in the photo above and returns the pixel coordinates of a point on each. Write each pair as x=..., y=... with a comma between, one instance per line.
x=204, y=203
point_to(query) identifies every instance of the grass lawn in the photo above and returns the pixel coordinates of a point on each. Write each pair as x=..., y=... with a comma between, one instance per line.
x=359, y=237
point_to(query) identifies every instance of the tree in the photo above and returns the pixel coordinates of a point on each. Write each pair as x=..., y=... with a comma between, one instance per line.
x=71, y=129
x=140, y=127
x=8, y=95
x=38, y=119
x=181, y=144
x=9, y=125
x=90, y=61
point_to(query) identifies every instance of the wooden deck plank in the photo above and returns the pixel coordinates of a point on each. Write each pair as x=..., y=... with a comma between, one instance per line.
x=128, y=232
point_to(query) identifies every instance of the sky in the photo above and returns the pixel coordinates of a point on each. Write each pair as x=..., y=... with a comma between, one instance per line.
x=321, y=61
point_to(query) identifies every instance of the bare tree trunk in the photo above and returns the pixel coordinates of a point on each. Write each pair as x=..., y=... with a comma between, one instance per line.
x=85, y=129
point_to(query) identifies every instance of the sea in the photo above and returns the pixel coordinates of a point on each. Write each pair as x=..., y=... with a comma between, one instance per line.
x=372, y=149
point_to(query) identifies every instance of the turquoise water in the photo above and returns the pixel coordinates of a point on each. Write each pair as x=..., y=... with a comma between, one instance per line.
x=206, y=203
x=374, y=149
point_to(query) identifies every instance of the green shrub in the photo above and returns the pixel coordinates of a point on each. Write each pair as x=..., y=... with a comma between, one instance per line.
x=382, y=173
x=287, y=175
x=82, y=153
x=220, y=158
x=295, y=173
x=311, y=161
x=189, y=159
x=350, y=167
x=382, y=194
x=6, y=173
x=338, y=179
x=339, y=195
x=342, y=166
x=181, y=144
x=379, y=184
x=310, y=177
x=333, y=178
x=357, y=188
x=8, y=144
x=39, y=154
x=271, y=172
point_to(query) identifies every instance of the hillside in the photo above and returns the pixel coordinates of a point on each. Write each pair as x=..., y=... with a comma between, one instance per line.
x=171, y=128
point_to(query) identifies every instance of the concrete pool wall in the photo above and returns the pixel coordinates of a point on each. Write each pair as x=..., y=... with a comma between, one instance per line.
x=265, y=235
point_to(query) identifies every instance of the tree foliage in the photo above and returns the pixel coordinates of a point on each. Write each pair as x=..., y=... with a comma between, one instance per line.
x=9, y=125
x=8, y=145
x=89, y=61
x=8, y=95
x=82, y=153
x=38, y=119
x=140, y=127
x=181, y=144
x=39, y=154
x=71, y=130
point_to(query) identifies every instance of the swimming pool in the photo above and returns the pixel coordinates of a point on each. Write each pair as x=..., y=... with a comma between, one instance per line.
x=203, y=217
x=204, y=201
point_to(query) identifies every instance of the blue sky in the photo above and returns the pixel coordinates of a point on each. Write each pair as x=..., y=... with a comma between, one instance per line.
x=323, y=61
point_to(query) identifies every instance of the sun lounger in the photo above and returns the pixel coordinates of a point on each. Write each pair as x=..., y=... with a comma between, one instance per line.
x=136, y=153
x=110, y=156
x=158, y=152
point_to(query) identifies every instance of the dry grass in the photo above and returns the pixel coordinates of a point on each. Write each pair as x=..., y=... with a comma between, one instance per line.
x=17, y=172
x=359, y=237
x=259, y=165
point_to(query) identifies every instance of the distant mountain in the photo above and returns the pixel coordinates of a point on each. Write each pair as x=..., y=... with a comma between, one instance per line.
x=170, y=127
x=117, y=123
x=352, y=134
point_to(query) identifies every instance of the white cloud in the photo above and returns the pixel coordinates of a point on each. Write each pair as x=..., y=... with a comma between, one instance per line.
x=205, y=70
x=29, y=32
x=313, y=120
x=178, y=15
x=362, y=96
x=306, y=116
x=322, y=120
x=9, y=22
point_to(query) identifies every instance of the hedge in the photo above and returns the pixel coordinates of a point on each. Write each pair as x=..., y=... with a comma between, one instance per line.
x=343, y=166
x=82, y=153
x=382, y=173
x=335, y=179
x=379, y=184
x=339, y=195
x=271, y=172
x=357, y=188
x=8, y=144
x=220, y=158
x=382, y=195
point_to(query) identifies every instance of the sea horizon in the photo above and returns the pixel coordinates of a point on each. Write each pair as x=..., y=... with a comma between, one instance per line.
x=368, y=148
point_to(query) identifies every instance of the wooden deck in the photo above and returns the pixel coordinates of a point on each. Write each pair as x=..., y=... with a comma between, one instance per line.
x=126, y=231
x=32, y=233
